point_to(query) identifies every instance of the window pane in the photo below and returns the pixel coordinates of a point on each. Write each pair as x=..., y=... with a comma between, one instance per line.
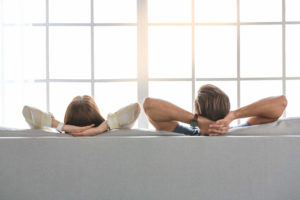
x=170, y=52
x=215, y=51
x=120, y=95
x=34, y=53
x=229, y=87
x=261, y=51
x=23, y=53
x=17, y=95
x=69, y=11
x=34, y=11
x=61, y=94
x=258, y=11
x=1, y=102
x=292, y=88
x=29, y=11
x=12, y=54
x=11, y=11
x=252, y=91
x=169, y=11
x=115, y=52
x=34, y=94
x=215, y=11
x=292, y=50
x=69, y=52
x=115, y=11
x=292, y=8
x=176, y=92
x=12, y=100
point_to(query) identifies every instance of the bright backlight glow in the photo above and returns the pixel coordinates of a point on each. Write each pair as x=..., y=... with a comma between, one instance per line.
x=261, y=51
x=260, y=11
x=122, y=51
x=115, y=52
x=115, y=11
x=69, y=52
x=167, y=11
x=170, y=52
x=215, y=10
x=69, y=11
x=215, y=51
x=292, y=50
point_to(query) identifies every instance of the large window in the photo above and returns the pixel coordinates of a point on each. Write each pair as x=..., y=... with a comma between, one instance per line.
x=121, y=51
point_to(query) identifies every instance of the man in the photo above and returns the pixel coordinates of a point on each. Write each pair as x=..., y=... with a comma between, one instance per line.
x=212, y=113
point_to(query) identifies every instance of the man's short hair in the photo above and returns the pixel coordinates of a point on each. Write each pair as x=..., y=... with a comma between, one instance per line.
x=212, y=102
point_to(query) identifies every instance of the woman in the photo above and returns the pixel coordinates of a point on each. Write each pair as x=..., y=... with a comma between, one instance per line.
x=83, y=118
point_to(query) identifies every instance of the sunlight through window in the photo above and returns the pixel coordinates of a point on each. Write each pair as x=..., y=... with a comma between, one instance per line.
x=121, y=52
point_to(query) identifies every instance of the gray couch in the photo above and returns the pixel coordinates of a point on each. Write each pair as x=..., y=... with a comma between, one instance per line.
x=259, y=162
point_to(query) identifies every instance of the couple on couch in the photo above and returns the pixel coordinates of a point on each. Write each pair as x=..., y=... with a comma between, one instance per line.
x=212, y=115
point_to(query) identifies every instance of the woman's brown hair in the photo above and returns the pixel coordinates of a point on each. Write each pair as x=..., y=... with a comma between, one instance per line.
x=212, y=102
x=83, y=111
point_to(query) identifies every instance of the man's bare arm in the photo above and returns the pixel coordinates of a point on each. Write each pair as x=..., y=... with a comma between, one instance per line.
x=263, y=111
x=260, y=112
x=165, y=116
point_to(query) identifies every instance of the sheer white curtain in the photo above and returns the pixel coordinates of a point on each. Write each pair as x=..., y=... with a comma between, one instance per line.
x=21, y=61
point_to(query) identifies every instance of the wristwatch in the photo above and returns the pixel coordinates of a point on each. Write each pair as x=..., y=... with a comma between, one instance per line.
x=59, y=127
x=194, y=122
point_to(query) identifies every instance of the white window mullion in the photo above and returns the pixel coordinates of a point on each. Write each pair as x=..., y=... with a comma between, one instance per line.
x=193, y=55
x=2, y=106
x=142, y=58
x=283, y=53
x=92, y=51
x=238, y=57
x=47, y=57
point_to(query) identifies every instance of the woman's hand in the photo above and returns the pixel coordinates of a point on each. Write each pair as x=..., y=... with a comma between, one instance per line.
x=88, y=132
x=92, y=131
x=75, y=129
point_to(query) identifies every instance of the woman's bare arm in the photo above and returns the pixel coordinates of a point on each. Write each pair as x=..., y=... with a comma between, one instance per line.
x=70, y=128
x=103, y=127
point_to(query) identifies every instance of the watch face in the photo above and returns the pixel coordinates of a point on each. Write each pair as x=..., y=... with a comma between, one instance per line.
x=193, y=123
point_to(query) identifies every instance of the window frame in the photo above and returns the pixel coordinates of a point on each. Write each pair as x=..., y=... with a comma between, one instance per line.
x=142, y=54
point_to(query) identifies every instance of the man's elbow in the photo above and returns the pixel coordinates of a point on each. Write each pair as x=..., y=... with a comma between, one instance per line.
x=282, y=104
x=147, y=104
x=284, y=101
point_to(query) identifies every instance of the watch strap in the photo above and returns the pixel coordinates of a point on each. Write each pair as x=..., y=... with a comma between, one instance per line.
x=194, y=122
x=59, y=127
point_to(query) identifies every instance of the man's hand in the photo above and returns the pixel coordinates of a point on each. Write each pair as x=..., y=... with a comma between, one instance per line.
x=210, y=127
x=203, y=124
x=221, y=126
x=218, y=129
x=227, y=120
x=75, y=129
